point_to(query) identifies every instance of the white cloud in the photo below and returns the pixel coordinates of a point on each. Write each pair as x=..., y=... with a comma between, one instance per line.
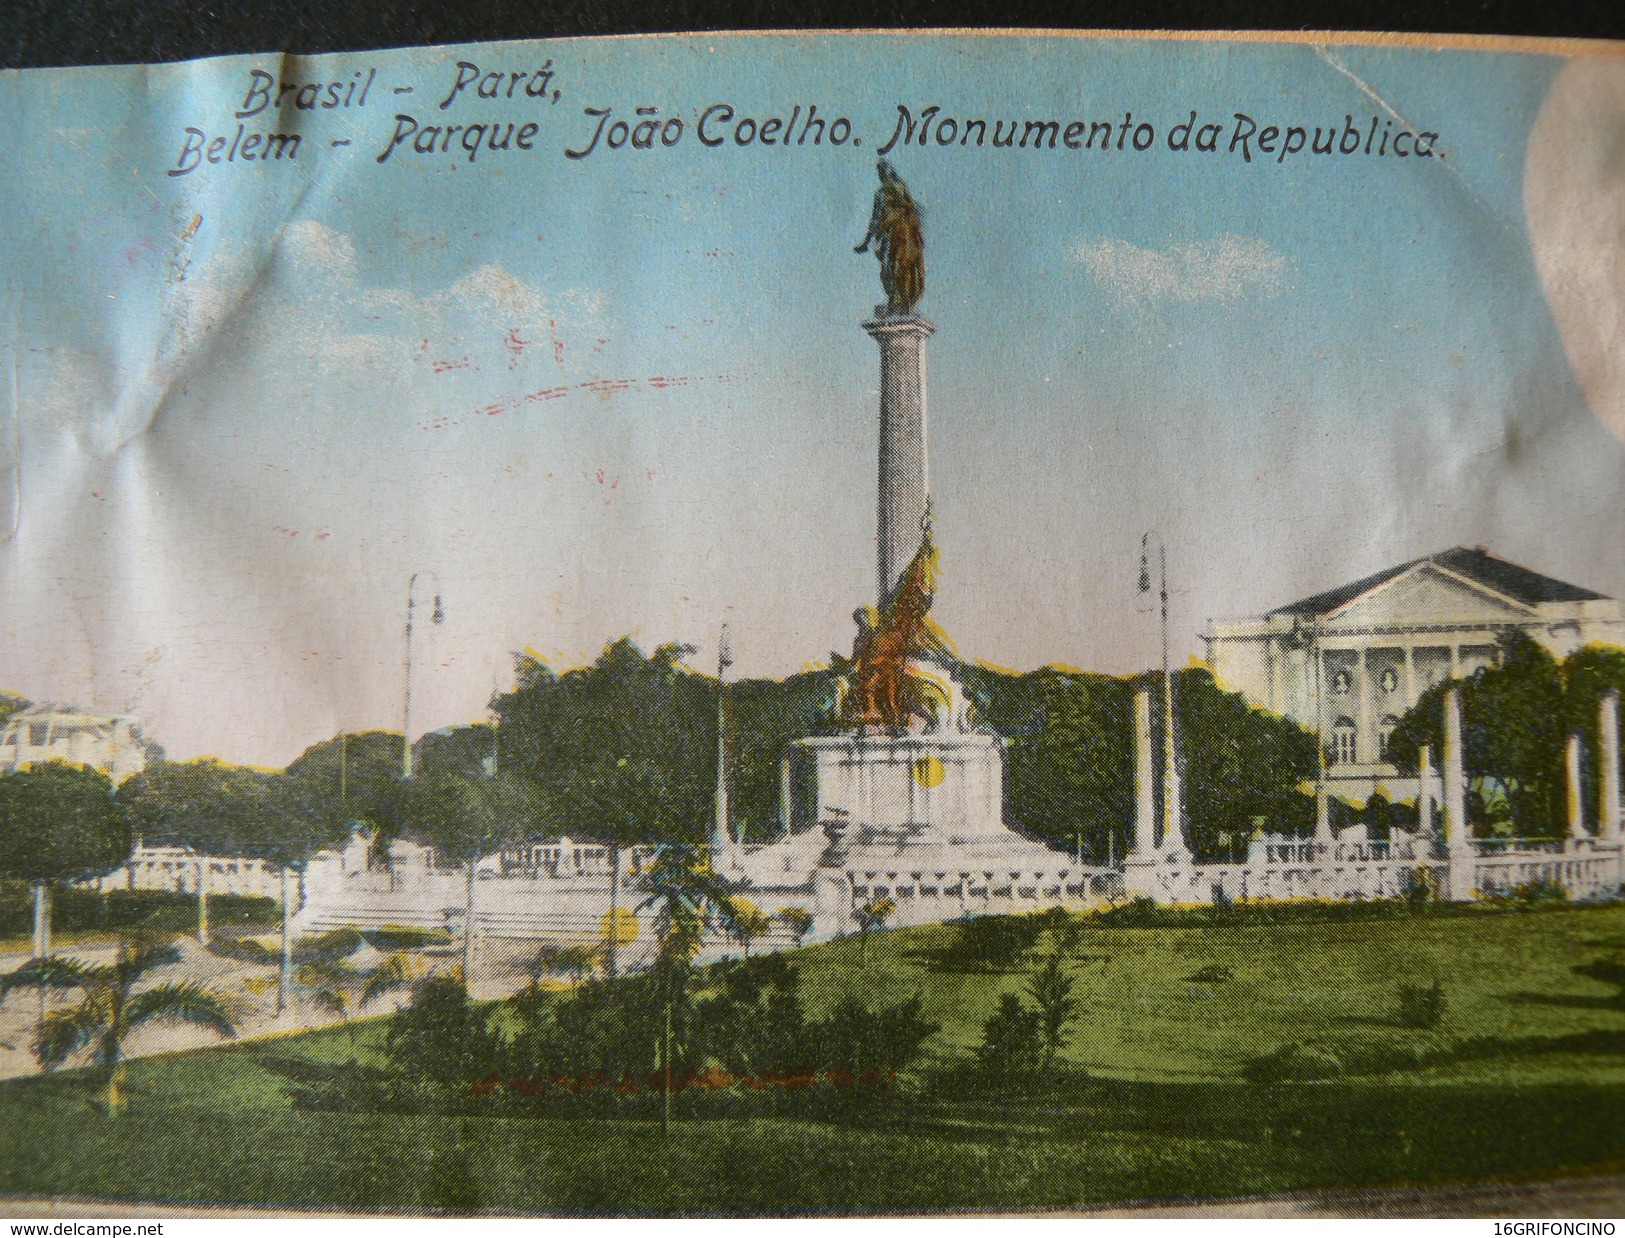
x=309, y=242
x=1225, y=268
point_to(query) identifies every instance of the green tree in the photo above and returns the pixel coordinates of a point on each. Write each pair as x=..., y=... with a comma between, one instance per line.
x=277, y=820
x=622, y=751
x=112, y=1008
x=1516, y=717
x=1240, y=763
x=350, y=779
x=625, y=749
x=58, y=823
x=465, y=818
x=1586, y=674
x=768, y=715
x=220, y=809
x=1071, y=757
x=1071, y=752
x=689, y=900
x=205, y=806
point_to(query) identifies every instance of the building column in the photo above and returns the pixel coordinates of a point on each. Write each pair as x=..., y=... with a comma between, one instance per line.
x=1323, y=808
x=1424, y=791
x=1410, y=677
x=1457, y=836
x=1571, y=781
x=1608, y=765
x=786, y=792
x=1366, y=745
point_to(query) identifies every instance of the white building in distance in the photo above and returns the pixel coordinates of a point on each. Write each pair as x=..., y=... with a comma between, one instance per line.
x=111, y=743
x=1347, y=663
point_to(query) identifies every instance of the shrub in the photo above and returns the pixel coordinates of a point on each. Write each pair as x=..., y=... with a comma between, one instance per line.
x=1421, y=1006
x=1419, y=886
x=441, y=1039
x=162, y=911
x=1293, y=1062
x=449, y=1186
x=1213, y=973
x=243, y=950
x=1529, y=894
x=998, y=943
x=1012, y=1041
x=393, y=938
x=1140, y=912
x=859, y=1040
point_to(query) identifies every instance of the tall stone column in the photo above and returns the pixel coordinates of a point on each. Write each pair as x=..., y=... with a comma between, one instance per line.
x=904, y=481
x=1572, y=784
x=1457, y=837
x=1145, y=777
x=1608, y=765
x=787, y=791
x=1424, y=791
x=1140, y=865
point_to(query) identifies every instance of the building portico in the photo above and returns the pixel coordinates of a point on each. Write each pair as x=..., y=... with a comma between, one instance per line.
x=1349, y=662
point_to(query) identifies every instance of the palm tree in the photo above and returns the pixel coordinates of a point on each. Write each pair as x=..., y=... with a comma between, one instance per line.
x=111, y=1008
x=338, y=985
x=1051, y=991
x=690, y=900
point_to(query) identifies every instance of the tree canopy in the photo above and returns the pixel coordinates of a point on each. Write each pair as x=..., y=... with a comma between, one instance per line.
x=464, y=817
x=623, y=750
x=626, y=749
x=349, y=778
x=1516, y=717
x=60, y=822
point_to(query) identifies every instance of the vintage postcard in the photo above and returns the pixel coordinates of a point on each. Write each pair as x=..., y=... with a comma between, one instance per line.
x=815, y=624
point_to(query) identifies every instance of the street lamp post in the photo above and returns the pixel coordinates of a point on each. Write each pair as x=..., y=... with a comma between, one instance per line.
x=1171, y=814
x=438, y=615
x=722, y=839
x=1311, y=640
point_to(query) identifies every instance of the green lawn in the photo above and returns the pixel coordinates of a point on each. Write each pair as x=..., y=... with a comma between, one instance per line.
x=1525, y=1078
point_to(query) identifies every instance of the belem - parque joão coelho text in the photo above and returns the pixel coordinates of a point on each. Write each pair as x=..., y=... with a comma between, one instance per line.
x=485, y=112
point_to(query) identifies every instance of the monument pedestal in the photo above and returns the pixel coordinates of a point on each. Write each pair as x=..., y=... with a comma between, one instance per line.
x=909, y=788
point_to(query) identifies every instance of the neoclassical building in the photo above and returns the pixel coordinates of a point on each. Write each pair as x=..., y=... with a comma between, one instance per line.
x=111, y=743
x=1350, y=661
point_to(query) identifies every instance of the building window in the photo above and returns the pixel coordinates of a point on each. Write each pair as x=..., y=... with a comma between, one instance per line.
x=1340, y=682
x=1345, y=748
x=1385, y=729
x=1390, y=680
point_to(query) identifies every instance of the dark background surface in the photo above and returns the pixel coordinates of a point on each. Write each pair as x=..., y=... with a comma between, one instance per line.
x=60, y=32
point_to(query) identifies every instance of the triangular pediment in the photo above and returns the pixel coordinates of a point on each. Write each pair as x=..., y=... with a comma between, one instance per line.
x=1427, y=596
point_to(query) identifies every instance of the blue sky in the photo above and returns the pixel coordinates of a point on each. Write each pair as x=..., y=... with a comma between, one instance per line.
x=628, y=393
